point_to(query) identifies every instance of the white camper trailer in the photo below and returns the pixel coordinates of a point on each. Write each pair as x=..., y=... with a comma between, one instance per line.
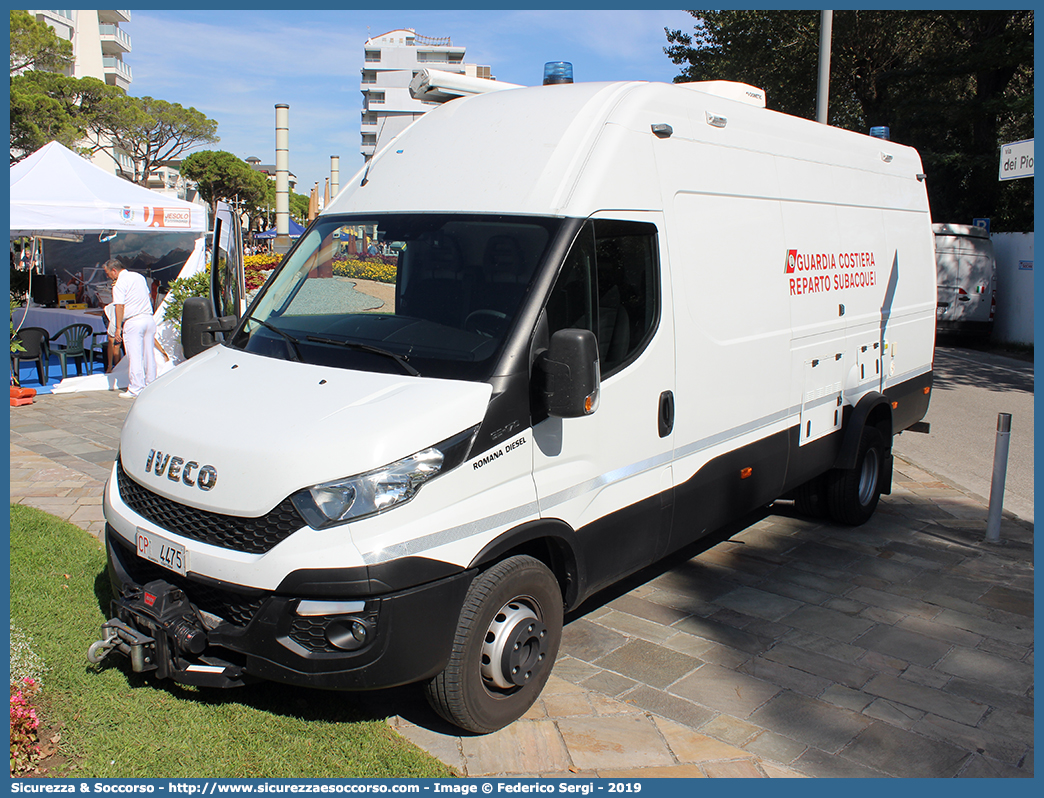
x=624, y=315
x=967, y=279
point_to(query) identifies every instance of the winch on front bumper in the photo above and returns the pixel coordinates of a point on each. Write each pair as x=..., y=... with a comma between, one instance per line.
x=159, y=630
x=203, y=632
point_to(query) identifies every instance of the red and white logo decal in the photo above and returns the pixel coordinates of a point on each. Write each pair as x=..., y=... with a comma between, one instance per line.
x=821, y=272
x=167, y=217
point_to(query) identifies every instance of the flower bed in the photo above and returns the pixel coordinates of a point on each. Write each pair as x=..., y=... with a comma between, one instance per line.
x=25, y=747
x=257, y=268
x=379, y=268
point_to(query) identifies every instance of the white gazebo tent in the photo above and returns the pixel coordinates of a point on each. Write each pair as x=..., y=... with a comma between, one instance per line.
x=56, y=192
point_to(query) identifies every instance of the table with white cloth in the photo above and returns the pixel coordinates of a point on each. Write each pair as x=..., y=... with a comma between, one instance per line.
x=55, y=319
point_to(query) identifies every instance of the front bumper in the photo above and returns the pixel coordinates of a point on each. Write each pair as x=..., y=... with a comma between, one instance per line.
x=251, y=634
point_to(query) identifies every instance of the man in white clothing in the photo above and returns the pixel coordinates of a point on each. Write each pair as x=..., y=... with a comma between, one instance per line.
x=135, y=326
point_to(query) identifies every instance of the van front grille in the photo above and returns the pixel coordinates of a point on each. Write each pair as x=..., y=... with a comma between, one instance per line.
x=250, y=535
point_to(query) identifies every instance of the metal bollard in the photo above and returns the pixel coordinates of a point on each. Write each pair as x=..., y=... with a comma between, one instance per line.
x=1000, y=473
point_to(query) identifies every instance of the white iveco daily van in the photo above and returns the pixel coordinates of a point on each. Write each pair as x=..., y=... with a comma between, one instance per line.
x=624, y=314
x=967, y=279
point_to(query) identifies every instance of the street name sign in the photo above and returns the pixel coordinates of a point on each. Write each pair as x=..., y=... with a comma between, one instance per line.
x=1016, y=160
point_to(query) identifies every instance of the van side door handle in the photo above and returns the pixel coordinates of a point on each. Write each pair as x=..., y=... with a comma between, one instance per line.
x=666, y=414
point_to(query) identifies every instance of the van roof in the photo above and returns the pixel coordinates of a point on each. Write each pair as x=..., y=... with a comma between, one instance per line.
x=972, y=231
x=573, y=149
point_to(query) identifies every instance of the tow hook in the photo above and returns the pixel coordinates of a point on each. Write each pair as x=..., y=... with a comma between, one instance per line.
x=126, y=640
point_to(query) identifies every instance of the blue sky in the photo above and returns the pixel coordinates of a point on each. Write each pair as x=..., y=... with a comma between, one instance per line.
x=234, y=66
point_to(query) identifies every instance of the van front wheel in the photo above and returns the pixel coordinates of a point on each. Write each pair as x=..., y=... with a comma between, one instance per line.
x=505, y=646
x=852, y=494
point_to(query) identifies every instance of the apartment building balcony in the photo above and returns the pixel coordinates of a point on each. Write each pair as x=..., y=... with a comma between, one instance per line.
x=114, y=17
x=114, y=40
x=440, y=55
x=117, y=73
x=373, y=97
x=61, y=21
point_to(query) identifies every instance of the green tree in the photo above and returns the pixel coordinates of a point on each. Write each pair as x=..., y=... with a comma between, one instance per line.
x=150, y=131
x=47, y=106
x=88, y=115
x=43, y=107
x=262, y=214
x=38, y=117
x=34, y=45
x=299, y=207
x=953, y=84
x=221, y=175
x=262, y=211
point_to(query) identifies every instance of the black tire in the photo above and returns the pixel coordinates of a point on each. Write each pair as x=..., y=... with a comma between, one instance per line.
x=513, y=611
x=810, y=498
x=852, y=494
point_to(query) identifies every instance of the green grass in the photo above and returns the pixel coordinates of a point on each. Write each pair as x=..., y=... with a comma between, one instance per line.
x=115, y=723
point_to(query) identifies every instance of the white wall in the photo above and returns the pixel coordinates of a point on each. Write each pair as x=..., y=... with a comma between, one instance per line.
x=1014, y=319
x=87, y=47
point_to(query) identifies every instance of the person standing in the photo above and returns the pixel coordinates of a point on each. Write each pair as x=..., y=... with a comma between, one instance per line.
x=134, y=325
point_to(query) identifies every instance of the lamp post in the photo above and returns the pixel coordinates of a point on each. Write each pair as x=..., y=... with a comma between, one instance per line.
x=281, y=243
x=826, y=25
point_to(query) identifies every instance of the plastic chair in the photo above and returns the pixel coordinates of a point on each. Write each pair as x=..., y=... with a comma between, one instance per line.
x=72, y=347
x=99, y=346
x=36, y=343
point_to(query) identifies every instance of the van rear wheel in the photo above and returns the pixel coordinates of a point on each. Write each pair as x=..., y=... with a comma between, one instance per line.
x=852, y=494
x=505, y=646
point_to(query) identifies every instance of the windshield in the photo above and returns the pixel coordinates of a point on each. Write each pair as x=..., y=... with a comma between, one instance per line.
x=423, y=294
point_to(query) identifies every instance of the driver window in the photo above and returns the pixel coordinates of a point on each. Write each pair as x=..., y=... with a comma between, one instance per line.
x=610, y=285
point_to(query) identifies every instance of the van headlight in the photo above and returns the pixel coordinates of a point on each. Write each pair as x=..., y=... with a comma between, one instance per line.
x=349, y=499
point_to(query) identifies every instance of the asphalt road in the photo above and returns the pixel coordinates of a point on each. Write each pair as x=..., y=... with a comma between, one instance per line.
x=971, y=389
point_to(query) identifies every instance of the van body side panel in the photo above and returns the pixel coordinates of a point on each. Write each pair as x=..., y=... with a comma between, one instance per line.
x=623, y=542
x=729, y=485
x=810, y=459
x=910, y=400
x=733, y=317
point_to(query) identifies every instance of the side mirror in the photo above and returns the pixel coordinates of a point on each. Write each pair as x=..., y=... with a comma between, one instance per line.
x=572, y=374
x=199, y=325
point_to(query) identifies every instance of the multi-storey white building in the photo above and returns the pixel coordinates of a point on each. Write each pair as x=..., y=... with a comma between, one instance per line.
x=167, y=179
x=390, y=62
x=99, y=44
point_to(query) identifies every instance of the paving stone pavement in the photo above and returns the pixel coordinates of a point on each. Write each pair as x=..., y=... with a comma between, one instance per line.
x=793, y=648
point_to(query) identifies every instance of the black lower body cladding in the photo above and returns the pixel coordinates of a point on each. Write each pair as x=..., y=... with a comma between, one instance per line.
x=409, y=632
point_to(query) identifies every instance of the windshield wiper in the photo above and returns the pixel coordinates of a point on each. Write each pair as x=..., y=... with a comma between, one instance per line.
x=367, y=348
x=287, y=337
